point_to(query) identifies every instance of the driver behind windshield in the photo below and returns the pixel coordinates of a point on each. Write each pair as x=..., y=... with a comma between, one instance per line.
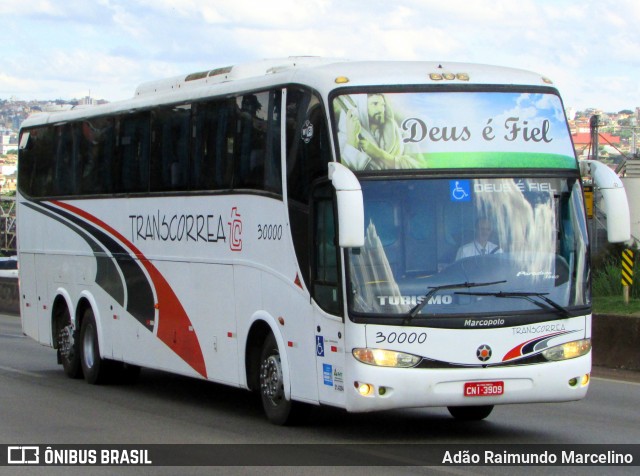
x=481, y=244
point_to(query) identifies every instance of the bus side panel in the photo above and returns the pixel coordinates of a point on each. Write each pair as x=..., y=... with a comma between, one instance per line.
x=30, y=236
x=44, y=305
x=330, y=351
x=212, y=315
x=246, y=278
x=283, y=300
x=28, y=295
x=211, y=319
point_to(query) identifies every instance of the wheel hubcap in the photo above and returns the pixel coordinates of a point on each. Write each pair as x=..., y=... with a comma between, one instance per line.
x=271, y=379
x=65, y=341
x=88, y=349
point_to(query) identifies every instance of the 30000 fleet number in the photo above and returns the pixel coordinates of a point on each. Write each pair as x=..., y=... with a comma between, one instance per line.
x=269, y=232
x=401, y=337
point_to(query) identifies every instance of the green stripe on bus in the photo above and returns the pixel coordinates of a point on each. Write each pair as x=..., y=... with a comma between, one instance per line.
x=463, y=160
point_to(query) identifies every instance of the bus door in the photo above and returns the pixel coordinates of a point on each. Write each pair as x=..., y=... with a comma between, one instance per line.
x=326, y=292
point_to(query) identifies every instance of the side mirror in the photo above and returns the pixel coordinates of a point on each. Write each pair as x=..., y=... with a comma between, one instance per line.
x=616, y=206
x=350, y=206
x=25, y=143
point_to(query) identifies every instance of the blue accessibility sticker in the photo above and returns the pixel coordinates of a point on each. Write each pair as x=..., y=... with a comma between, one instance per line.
x=327, y=374
x=460, y=190
x=320, y=346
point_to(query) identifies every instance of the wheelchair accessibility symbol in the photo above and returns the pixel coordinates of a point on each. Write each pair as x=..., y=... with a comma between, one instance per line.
x=460, y=190
x=320, y=346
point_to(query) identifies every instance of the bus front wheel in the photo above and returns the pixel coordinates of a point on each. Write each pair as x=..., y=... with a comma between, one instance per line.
x=471, y=413
x=276, y=406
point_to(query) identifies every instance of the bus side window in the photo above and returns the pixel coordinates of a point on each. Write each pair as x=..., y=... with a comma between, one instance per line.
x=273, y=162
x=308, y=153
x=213, y=127
x=202, y=166
x=96, y=148
x=35, y=167
x=132, y=166
x=170, y=148
x=325, y=251
x=308, y=150
x=258, y=142
x=65, y=155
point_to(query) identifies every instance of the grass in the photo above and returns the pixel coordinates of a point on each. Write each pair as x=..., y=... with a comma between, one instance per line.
x=607, y=286
x=614, y=305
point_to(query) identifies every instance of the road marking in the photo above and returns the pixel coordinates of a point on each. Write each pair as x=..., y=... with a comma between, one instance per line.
x=15, y=336
x=21, y=372
x=615, y=380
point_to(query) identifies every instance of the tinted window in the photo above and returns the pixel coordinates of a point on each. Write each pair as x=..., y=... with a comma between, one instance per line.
x=308, y=154
x=132, y=168
x=64, y=170
x=308, y=150
x=96, y=147
x=258, y=147
x=221, y=144
x=170, y=148
x=35, y=166
x=214, y=126
x=325, y=251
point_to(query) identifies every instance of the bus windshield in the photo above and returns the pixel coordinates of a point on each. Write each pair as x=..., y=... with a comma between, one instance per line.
x=494, y=245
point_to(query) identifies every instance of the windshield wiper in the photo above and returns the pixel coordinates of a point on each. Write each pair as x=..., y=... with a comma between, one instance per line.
x=417, y=308
x=527, y=296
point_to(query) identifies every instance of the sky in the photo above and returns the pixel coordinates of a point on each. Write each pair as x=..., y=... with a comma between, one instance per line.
x=66, y=49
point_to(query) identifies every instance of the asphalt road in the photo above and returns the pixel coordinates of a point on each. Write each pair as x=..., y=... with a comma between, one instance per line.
x=40, y=405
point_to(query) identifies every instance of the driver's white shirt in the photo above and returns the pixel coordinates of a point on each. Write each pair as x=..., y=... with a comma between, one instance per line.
x=474, y=248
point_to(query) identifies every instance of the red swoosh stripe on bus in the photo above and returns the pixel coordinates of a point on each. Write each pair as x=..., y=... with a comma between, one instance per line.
x=174, y=326
x=530, y=346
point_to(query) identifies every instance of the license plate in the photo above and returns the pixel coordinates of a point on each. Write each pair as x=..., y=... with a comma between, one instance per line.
x=483, y=389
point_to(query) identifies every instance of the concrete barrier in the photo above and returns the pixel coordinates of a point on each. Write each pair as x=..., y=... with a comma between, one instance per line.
x=9, y=296
x=616, y=339
x=616, y=342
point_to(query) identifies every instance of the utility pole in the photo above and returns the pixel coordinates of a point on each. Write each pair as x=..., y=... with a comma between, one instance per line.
x=594, y=123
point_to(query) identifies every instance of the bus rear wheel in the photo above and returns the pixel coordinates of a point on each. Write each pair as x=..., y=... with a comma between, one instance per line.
x=471, y=413
x=94, y=367
x=68, y=348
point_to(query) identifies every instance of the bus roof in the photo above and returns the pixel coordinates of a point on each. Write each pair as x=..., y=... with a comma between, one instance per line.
x=322, y=74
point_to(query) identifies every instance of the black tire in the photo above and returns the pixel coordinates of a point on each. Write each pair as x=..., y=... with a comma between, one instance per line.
x=277, y=408
x=94, y=368
x=471, y=413
x=68, y=343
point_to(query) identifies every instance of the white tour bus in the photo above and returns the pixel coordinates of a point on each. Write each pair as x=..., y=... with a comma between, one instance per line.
x=363, y=235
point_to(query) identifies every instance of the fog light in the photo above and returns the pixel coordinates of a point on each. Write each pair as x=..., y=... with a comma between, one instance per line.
x=586, y=378
x=573, y=382
x=382, y=390
x=364, y=389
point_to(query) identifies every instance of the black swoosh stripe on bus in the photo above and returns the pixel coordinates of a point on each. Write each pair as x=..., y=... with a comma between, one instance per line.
x=107, y=276
x=140, y=302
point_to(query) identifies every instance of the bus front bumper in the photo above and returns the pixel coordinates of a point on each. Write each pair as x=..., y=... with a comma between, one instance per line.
x=371, y=388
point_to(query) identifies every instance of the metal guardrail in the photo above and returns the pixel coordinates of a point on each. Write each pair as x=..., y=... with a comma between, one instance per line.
x=8, y=225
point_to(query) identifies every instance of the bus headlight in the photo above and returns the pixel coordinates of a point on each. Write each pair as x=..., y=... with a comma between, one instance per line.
x=386, y=358
x=570, y=350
